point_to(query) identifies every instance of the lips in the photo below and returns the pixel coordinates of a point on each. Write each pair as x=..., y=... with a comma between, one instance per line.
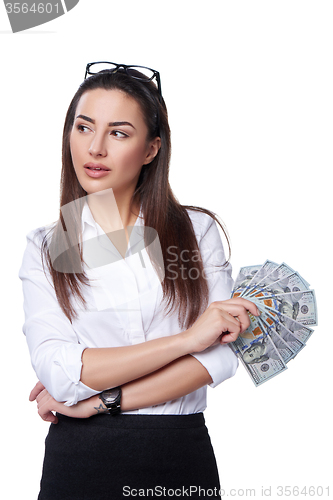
x=96, y=167
x=96, y=170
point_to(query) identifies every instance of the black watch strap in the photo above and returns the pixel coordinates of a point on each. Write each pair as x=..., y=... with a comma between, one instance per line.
x=112, y=399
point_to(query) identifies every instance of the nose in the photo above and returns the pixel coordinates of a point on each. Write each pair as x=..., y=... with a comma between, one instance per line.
x=97, y=146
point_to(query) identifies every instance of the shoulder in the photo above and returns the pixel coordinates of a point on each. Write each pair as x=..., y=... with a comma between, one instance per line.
x=32, y=256
x=201, y=221
x=209, y=232
x=37, y=236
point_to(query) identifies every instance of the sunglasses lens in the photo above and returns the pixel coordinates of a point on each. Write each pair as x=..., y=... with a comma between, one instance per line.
x=140, y=73
x=137, y=72
x=101, y=66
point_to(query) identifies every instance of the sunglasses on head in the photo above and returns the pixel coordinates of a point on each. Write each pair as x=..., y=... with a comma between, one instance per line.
x=141, y=73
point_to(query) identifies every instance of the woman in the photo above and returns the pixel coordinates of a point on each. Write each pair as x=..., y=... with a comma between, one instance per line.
x=116, y=295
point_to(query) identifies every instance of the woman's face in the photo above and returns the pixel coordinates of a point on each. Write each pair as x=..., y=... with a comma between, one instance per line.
x=108, y=142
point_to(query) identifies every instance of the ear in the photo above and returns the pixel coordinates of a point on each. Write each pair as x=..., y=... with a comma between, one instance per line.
x=152, y=150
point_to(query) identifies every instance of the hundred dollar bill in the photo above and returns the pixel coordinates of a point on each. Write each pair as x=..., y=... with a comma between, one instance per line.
x=288, y=309
x=274, y=275
x=256, y=330
x=261, y=359
x=299, y=306
x=292, y=283
x=281, y=322
x=244, y=277
x=285, y=351
x=267, y=267
x=293, y=342
x=284, y=339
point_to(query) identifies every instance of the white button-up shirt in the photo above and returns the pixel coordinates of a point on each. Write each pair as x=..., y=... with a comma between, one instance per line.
x=124, y=307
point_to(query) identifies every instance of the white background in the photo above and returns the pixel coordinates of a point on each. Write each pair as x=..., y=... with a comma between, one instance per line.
x=248, y=85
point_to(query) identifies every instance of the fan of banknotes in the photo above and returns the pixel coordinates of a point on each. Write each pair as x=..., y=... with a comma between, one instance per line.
x=288, y=310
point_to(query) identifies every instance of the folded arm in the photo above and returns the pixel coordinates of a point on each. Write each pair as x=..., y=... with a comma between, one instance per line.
x=177, y=379
x=73, y=373
x=69, y=369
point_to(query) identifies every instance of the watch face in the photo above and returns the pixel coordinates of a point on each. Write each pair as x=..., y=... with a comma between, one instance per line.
x=111, y=395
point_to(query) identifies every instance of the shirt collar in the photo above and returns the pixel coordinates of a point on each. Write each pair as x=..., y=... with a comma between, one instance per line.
x=90, y=226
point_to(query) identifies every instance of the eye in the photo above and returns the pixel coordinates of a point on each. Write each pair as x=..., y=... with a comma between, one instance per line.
x=82, y=128
x=118, y=133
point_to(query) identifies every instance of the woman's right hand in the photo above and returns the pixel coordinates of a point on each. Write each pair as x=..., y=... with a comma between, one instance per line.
x=46, y=405
x=222, y=322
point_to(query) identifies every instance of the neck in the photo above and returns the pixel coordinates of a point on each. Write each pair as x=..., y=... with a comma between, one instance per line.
x=112, y=212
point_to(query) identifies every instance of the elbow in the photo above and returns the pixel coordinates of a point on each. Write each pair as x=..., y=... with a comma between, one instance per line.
x=230, y=364
x=227, y=366
x=60, y=388
x=59, y=375
x=233, y=366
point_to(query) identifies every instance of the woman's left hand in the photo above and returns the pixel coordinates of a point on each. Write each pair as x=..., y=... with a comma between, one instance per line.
x=46, y=404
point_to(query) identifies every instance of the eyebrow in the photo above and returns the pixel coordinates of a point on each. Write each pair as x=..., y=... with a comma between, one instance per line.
x=111, y=124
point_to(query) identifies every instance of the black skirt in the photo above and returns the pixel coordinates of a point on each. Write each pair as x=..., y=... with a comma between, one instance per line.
x=116, y=457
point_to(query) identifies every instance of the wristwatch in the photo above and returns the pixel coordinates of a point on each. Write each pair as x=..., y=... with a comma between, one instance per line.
x=111, y=399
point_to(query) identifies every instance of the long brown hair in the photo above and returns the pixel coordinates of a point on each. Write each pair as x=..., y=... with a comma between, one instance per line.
x=161, y=210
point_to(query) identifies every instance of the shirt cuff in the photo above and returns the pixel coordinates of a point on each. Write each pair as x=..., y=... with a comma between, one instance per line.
x=220, y=362
x=81, y=392
x=65, y=375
